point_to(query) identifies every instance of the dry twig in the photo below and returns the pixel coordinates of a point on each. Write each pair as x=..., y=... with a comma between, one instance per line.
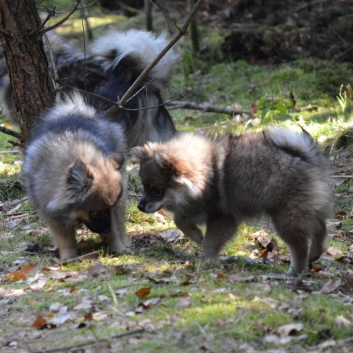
x=7, y=131
x=128, y=333
x=206, y=108
x=139, y=80
x=60, y=22
x=181, y=95
x=51, y=13
x=14, y=143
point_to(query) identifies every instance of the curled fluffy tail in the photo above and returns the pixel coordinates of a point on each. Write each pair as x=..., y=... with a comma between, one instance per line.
x=317, y=166
x=300, y=144
x=136, y=50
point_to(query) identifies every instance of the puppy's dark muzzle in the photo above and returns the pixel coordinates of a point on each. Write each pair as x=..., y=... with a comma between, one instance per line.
x=142, y=206
x=99, y=222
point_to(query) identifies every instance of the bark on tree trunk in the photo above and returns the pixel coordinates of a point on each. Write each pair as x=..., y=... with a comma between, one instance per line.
x=28, y=67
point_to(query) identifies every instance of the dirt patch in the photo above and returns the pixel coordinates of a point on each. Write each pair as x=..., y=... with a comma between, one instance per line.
x=266, y=31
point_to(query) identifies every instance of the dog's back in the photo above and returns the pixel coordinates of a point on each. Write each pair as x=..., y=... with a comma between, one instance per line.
x=264, y=171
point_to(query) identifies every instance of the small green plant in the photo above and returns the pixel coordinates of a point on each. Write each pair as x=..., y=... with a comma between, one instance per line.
x=276, y=108
x=345, y=98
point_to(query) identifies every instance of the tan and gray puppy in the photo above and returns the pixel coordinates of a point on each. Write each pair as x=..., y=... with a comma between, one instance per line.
x=74, y=172
x=222, y=182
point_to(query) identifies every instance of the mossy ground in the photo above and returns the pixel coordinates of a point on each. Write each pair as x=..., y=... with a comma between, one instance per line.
x=236, y=304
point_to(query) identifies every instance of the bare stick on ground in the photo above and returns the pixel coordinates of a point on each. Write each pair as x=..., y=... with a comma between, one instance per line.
x=104, y=340
x=206, y=108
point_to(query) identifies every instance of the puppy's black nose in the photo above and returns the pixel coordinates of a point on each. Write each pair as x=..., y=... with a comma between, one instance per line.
x=141, y=206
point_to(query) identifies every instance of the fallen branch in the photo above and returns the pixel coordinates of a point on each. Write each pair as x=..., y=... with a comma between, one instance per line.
x=206, y=108
x=139, y=80
x=15, y=144
x=128, y=333
x=7, y=131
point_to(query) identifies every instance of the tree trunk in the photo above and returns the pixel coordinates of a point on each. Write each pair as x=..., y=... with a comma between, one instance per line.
x=148, y=11
x=194, y=30
x=27, y=64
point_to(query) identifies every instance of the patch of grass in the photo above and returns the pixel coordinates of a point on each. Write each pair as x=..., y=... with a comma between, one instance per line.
x=11, y=187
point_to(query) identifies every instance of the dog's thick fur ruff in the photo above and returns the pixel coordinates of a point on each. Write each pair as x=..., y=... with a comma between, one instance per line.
x=115, y=61
x=222, y=182
x=74, y=172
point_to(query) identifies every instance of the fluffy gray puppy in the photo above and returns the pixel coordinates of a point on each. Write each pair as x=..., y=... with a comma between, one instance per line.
x=222, y=182
x=74, y=173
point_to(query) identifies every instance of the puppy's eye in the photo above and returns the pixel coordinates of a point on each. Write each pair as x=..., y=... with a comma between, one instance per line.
x=99, y=214
x=157, y=192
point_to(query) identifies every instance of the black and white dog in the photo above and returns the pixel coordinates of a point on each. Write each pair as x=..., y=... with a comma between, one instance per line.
x=115, y=61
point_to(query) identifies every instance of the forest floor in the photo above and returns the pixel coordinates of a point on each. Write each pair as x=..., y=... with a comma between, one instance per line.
x=162, y=297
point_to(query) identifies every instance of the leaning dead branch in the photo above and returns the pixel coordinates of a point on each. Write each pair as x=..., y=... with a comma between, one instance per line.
x=7, y=131
x=207, y=108
x=182, y=31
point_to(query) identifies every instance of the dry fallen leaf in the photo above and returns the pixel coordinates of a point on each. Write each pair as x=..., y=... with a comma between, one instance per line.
x=289, y=329
x=238, y=278
x=342, y=321
x=22, y=273
x=84, y=305
x=172, y=235
x=330, y=286
x=340, y=215
x=147, y=304
x=334, y=251
x=143, y=292
x=263, y=253
x=41, y=321
x=97, y=270
x=39, y=285
x=183, y=302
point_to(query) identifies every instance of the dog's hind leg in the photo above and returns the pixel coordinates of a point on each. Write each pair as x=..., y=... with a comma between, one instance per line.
x=64, y=237
x=220, y=229
x=295, y=231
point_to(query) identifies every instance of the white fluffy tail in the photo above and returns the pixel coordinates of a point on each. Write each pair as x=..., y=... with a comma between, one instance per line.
x=138, y=49
x=301, y=142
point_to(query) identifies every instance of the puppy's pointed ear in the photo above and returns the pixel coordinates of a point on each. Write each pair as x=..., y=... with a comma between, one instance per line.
x=165, y=162
x=139, y=153
x=79, y=181
x=117, y=160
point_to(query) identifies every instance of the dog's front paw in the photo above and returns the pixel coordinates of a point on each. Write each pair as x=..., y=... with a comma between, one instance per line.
x=208, y=254
x=291, y=271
